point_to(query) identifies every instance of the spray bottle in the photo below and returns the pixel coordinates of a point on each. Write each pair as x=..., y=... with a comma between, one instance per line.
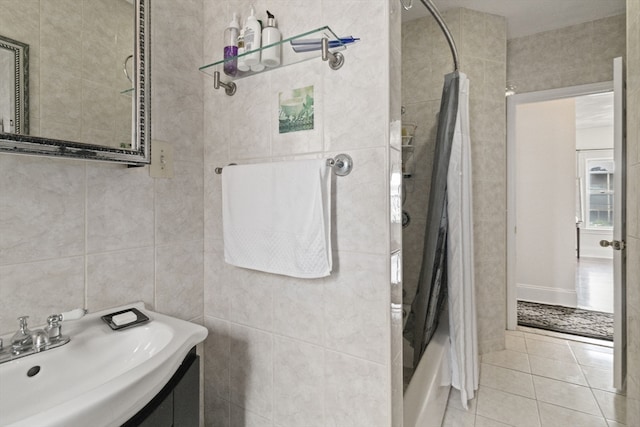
x=231, y=34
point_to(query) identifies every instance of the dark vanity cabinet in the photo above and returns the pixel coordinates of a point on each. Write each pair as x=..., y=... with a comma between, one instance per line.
x=178, y=403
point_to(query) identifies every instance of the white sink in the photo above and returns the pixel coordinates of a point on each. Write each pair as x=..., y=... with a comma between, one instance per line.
x=101, y=378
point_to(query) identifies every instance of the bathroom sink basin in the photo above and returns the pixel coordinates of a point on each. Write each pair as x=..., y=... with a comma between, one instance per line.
x=101, y=378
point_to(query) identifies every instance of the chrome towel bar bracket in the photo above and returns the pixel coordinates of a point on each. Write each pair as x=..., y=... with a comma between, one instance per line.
x=342, y=165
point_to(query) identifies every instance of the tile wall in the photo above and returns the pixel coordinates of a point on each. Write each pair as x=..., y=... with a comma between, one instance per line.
x=633, y=213
x=569, y=56
x=86, y=234
x=481, y=42
x=291, y=352
x=73, y=96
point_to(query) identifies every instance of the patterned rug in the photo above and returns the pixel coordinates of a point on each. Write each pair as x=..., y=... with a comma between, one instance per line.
x=575, y=321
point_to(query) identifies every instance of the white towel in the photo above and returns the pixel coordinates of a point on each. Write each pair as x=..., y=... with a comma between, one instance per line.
x=276, y=217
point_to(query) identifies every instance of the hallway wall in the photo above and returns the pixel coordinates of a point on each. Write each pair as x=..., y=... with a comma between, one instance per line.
x=569, y=56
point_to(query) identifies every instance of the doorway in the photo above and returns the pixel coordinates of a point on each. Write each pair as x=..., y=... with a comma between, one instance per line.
x=568, y=295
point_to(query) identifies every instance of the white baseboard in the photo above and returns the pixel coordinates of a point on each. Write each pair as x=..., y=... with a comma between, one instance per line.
x=546, y=295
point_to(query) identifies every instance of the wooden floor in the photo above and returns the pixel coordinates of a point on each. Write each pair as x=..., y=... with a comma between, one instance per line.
x=594, y=284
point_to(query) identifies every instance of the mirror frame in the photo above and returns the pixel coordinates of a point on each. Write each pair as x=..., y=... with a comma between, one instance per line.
x=21, y=83
x=140, y=152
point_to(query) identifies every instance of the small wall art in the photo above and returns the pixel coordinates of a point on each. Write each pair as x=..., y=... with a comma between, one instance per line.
x=295, y=112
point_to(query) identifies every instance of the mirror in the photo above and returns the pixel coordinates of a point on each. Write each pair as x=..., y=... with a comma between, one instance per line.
x=80, y=85
x=14, y=86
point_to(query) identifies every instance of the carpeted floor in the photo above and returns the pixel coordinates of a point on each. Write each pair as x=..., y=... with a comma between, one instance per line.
x=575, y=321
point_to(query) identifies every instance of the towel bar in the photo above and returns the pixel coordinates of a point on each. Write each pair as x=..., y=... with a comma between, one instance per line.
x=342, y=165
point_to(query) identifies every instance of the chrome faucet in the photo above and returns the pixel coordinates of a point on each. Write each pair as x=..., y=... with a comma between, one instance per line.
x=21, y=341
x=25, y=342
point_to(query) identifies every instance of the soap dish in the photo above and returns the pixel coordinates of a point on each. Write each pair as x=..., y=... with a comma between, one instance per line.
x=141, y=318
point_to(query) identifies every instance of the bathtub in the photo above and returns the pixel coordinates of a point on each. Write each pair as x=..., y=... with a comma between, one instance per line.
x=425, y=399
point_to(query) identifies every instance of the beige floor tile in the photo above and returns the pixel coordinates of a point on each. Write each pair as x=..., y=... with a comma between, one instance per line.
x=604, y=348
x=488, y=422
x=599, y=378
x=515, y=343
x=594, y=358
x=567, y=395
x=514, y=333
x=507, y=408
x=508, y=380
x=563, y=371
x=552, y=336
x=508, y=359
x=455, y=402
x=456, y=418
x=547, y=336
x=612, y=424
x=614, y=406
x=551, y=350
x=556, y=416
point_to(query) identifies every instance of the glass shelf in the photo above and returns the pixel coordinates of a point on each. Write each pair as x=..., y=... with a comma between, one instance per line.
x=290, y=52
x=127, y=92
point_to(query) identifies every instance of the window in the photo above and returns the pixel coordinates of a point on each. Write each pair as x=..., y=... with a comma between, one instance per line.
x=599, y=192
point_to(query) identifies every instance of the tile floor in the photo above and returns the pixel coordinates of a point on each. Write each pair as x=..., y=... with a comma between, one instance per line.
x=542, y=381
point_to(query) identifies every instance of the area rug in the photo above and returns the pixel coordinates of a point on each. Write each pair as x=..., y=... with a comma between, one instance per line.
x=574, y=321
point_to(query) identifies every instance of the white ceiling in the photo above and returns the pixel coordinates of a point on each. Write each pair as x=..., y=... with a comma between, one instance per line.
x=525, y=17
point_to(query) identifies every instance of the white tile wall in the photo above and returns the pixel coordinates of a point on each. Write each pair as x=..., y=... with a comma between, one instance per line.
x=313, y=352
x=86, y=234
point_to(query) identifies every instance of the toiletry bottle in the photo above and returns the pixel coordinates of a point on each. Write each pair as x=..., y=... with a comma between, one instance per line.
x=252, y=38
x=231, y=46
x=270, y=35
x=256, y=68
x=242, y=65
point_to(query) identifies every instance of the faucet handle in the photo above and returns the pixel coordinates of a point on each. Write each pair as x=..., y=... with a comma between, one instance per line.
x=54, y=328
x=23, y=323
x=21, y=340
x=76, y=314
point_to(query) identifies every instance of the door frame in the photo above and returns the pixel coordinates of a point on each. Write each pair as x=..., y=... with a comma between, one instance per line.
x=512, y=104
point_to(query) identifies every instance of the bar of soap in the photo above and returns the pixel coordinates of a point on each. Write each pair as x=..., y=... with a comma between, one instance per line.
x=124, y=318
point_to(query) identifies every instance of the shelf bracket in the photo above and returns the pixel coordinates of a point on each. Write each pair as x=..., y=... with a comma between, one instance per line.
x=229, y=88
x=336, y=60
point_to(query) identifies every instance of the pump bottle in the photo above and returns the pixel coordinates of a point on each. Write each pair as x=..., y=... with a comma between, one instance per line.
x=270, y=35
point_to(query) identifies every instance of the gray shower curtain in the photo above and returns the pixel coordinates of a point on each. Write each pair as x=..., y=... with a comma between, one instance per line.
x=432, y=284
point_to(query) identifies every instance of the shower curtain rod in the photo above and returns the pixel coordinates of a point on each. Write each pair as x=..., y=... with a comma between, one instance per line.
x=443, y=26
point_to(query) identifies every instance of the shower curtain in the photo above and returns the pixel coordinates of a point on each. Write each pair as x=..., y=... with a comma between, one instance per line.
x=461, y=293
x=447, y=265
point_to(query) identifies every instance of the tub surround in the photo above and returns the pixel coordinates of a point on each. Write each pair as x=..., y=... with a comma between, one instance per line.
x=481, y=40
